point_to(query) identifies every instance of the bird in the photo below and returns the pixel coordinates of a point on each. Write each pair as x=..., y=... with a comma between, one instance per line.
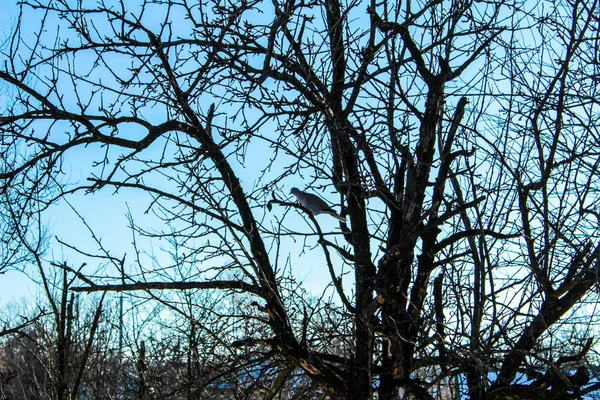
x=315, y=204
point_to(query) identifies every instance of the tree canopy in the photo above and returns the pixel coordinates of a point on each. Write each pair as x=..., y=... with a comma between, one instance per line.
x=458, y=139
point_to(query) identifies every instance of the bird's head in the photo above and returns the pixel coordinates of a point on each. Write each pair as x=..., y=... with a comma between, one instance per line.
x=294, y=191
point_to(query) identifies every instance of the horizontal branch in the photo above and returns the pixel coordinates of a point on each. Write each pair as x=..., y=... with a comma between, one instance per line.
x=223, y=285
x=473, y=232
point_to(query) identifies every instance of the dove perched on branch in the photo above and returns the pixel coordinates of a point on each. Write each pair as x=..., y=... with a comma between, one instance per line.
x=315, y=204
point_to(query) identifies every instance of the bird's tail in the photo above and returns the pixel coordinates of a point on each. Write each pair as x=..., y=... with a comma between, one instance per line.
x=336, y=216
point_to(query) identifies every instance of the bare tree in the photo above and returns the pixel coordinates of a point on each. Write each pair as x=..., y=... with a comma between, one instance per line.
x=51, y=358
x=458, y=136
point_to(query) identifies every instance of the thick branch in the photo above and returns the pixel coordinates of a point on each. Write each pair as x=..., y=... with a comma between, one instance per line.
x=207, y=285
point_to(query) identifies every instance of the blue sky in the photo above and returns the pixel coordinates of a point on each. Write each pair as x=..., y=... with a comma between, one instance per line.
x=105, y=211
